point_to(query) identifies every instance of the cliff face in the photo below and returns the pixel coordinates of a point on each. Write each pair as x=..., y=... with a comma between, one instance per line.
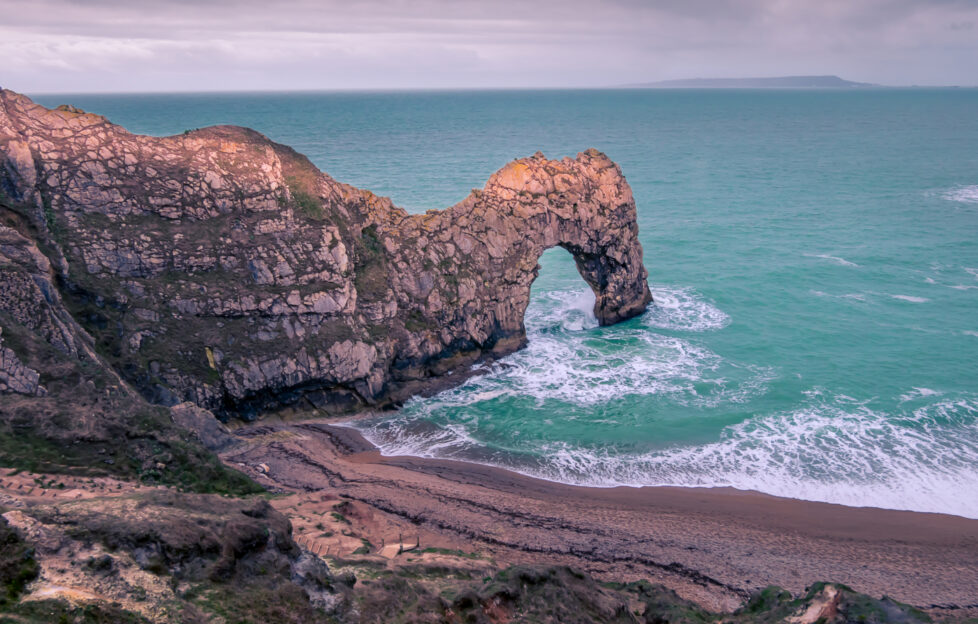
x=63, y=408
x=221, y=268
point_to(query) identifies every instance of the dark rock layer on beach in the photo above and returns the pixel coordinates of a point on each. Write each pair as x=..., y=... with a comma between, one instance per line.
x=221, y=268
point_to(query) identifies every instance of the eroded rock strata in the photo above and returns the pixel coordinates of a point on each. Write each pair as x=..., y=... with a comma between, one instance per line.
x=221, y=268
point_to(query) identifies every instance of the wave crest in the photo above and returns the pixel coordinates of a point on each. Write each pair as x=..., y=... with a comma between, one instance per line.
x=682, y=309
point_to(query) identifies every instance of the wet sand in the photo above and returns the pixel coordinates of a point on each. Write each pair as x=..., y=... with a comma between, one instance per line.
x=714, y=545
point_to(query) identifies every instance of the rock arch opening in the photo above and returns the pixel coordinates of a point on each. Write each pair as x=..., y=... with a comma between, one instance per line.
x=559, y=294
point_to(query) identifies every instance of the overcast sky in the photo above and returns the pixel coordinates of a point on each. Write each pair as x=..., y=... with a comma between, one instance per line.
x=193, y=45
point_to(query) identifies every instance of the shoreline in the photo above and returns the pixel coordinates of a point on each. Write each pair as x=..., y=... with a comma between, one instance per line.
x=712, y=545
x=357, y=440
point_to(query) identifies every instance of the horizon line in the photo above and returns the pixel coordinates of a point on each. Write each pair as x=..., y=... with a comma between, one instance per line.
x=361, y=90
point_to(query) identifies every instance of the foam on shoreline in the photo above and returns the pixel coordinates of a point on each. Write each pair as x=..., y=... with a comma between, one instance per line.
x=833, y=450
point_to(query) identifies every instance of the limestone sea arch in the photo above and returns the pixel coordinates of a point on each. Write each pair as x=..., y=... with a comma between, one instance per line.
x=220, y=267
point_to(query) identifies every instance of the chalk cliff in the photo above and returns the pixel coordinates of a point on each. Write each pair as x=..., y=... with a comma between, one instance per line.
x=221, y=268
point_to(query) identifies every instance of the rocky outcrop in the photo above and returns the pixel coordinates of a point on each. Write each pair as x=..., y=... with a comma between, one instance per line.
x=212, y=434
x=29, y=299
x=15, y=377
x=156, y=552
x=221, y=268
x=63, y=407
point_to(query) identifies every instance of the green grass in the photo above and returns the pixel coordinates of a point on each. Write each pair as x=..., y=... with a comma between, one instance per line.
x=17, y=564
x=51, y=219
x=187, y=467
x=257, y=604
x=366, y=549
x=453, y=553
x=125, y=438
x=304, y=201
x=370, y=264
x=416, y=322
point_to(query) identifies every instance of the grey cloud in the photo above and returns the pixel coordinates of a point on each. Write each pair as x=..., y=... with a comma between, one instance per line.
x=64, y=45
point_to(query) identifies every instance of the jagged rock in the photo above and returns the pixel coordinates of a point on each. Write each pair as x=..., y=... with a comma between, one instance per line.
x=221, y=268
x=211, y=433
x=29, y=295
x=29, y=298
x=15, y=377
x=146, y=551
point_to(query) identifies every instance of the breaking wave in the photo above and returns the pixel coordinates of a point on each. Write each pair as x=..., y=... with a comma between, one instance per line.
x=832, y=449
x=682, y=309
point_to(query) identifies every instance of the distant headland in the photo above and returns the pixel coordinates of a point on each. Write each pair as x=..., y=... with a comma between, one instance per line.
x=781, y=82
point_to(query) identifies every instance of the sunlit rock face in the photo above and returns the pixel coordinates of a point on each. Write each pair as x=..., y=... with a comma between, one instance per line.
x=222, y=268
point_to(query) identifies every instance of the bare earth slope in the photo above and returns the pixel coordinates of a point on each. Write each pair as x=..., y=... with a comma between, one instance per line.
x=221, y=268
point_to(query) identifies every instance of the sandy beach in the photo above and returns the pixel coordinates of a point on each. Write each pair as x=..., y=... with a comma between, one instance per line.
x=714, y=546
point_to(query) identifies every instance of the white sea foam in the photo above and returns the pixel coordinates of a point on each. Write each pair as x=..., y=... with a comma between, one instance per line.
x=918, y=393
x=965, y=194
x=682, y=309
x=835, y=259
x=589, y=371
x=970, y=333
x=570, y=310
x=831, y=449
x=566, y=362
x=571, y=366
x=910, y=298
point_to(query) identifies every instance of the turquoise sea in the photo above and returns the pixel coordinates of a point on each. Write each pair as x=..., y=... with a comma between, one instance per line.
x=813, y=257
